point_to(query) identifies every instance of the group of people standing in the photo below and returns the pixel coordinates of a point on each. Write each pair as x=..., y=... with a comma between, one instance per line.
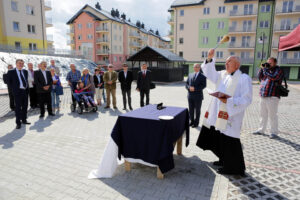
x=41, y=85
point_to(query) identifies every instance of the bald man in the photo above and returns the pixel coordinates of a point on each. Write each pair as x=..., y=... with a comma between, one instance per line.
x=195, y=84
x=223, y=119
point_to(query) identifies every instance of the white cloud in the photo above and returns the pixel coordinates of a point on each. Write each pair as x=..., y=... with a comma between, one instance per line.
x=153, y=13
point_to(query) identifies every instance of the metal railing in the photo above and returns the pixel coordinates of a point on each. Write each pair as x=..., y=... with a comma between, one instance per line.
x=171, y=33
x=101, y=51
x=241, y=13
x=49, y=20
x=247, y=60
x=243, y=45
x=69, y=31
x=101, y=28
x=236, y=30
x=98, y=40
x=135, y=44
x=47, y=52
x=171, y=19
x=289, y=60
x=134, y=34
x=294, y=9
x=283, y=28
x=48, y=4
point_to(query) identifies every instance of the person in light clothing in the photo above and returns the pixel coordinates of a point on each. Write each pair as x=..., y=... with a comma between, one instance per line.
x=99, y=85
x=223, y=120
x=32, y=88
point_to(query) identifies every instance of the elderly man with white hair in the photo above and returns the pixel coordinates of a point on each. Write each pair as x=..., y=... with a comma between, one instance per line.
x=223, y=120
x=195, y=84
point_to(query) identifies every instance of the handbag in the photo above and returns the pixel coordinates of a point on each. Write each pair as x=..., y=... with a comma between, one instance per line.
x=283, y=90
x=59, y=90
x=152, y=86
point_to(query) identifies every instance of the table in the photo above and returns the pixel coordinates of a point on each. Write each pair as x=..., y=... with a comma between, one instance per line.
x=140, y=136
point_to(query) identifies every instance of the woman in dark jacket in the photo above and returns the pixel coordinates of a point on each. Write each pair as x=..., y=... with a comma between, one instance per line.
x=99, y=86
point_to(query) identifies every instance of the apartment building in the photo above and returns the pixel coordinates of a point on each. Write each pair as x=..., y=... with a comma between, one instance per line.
x=23, y=25
x=254, y=27
x=108, y=37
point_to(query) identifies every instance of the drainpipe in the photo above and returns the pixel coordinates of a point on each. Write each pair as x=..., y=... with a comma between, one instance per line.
x=42, y=17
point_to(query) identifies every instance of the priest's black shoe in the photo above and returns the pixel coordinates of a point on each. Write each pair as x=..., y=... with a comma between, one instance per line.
x=130, y=108
x=217, y=163
x=124, y=108
x=26, y=122
x=18, y=126
x=41, y=116
x=191, y=124
x=225, y=172
x=51, y=114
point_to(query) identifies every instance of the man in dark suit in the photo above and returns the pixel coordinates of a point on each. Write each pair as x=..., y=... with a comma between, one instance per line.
x=18, y=81
x=195, y=84
x=143, y=84
x=43, y=81
x=126, y=78
x=10, y=93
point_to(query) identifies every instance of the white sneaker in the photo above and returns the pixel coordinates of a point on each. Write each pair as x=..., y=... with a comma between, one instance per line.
x=273, y=135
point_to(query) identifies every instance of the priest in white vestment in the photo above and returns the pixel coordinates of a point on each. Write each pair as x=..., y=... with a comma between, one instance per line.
x=223, y=120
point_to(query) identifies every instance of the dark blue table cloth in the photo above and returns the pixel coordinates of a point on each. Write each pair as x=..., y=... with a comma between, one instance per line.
x=140, y=134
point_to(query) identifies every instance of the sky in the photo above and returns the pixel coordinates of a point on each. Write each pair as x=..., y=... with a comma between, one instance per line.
x=153, y=13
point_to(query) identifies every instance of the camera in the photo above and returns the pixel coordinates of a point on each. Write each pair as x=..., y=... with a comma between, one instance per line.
x=266, y=65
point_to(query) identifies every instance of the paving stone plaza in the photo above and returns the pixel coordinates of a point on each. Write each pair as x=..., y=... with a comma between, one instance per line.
x=52, y=157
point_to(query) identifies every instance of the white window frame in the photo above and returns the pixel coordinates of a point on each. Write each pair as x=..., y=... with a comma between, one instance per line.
x=79, y=26
x=14, y=6
x=205, y=25
x=181, y=12
x=221, y=25
x=205, y=40
x=29, y=10
x=221, y=9
x=181, y=27
x=206, y=11
x=18, y=26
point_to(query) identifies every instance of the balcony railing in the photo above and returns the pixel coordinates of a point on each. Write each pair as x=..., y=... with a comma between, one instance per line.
x=236, y=30
x=234, y=13
x=104, y=52
x=101, y=28
x=245, y=46
x=50, y=38
x=289, y=60
x=49, y=21
x=171, y=33
x=171, y=19
x=69, y=42
x=284, y=28
x=295, y=9
x=134, y=34
x=48, y=5
x=247, y=60
x=102, y=40
x=69, y=31
x=135, y=44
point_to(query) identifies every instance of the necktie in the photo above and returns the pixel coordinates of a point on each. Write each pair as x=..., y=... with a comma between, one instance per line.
x=23, y=79
x=144, y=74
x=195, y=76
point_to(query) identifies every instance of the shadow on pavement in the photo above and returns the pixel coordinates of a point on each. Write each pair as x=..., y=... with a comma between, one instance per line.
x=90, y=116
x=175, y=185
x=8, y=140
x=41, y=124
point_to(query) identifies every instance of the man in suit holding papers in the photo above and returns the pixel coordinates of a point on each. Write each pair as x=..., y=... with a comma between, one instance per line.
x=223, y=120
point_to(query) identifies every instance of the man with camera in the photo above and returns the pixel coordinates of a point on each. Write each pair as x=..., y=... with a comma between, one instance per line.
x=270, y=76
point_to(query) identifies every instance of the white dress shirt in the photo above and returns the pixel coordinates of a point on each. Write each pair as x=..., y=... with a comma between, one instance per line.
x=45, y=76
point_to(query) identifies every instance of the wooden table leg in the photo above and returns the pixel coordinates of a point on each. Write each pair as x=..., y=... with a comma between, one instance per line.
x=159, y=174
x=179, y=146
x=127, y=166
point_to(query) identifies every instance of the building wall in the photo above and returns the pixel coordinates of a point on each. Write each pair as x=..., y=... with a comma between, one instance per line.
x=9, y=16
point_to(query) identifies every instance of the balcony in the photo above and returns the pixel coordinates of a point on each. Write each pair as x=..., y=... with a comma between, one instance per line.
x=294, y=11
x=171, y=34
x=240, y=46
x=70, y=31
x=134, y=34
x=101, y=29
x=247, y=60
x=134, y=44
x=289, y=61
x=102, y=52
x=234, y=30
x=70, y=42
x=48, y=5
x=285, y=28
x=170, y=20
x=102, y=40
x=49, y=22
x=275, y=45
x=238, y=13
x=50, y=38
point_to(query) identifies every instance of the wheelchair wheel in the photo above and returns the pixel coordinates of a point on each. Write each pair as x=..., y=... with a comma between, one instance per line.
x=79, y=110
x=72, y=106
x=95, y=109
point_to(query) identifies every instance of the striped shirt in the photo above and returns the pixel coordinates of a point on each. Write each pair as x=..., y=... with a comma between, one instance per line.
x=73, y=77
x=269, y=79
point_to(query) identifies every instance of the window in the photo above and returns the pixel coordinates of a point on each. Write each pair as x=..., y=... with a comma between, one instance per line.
x=287, y=6
x=297, y=55
x=221, y=25
x=181, y=27
x=115, y=37
x=232, y=53
x=248, y=9
x=219, y=38
x=204, y=54
x=285, y=24
x=235, y=8
x=247, y=25
x=221, y=9
x=205, y=40
x=259, y=55
x=79, y=26
x=31, y=28
x=89, y=25
x=120, y=59
x=89, y=36
x=219, y=54
x=16, y=26
x=180, y=53
x=246, y=41
x=115, y=47
x=245, y=54
x=206, y=11
x=205, y=25
x=265, y=8
x=180, y=40
x=29, y=10
x=264, y=24
x=115, y=58
x=79, y=37
x=79, y=48
x=32, y=47
x=18, y=45
x=120, y=47
x=233, y=39
x=14, y=6
x=181, y=12
x=268, y=8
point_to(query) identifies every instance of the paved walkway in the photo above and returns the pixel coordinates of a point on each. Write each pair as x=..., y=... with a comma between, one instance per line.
x=51, y=158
